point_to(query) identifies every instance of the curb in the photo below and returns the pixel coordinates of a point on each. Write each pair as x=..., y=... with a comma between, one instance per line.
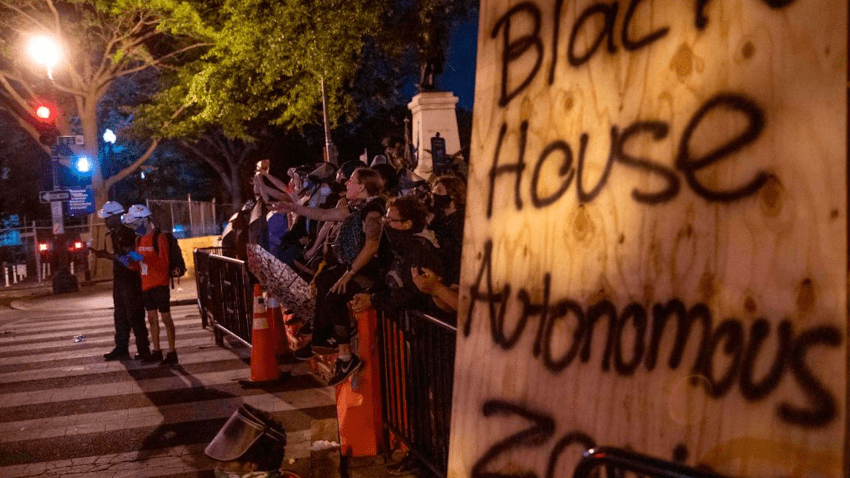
x=24, y=304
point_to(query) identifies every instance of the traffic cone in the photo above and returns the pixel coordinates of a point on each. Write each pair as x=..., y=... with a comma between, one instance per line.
x=276, y=324
x=263, y=361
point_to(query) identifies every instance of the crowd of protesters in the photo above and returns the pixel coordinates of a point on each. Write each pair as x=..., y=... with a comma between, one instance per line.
x=365, y=236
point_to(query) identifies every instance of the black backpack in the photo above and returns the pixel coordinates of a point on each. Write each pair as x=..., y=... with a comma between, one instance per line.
x=176, y=264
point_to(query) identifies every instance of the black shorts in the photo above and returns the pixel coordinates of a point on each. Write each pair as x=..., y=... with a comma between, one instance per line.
x=157, y=298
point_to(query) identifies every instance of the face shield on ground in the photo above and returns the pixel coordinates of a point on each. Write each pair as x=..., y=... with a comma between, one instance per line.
x=245, y=428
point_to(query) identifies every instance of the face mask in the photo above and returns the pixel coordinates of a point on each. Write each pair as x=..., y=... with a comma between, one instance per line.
x=113, y=222
x=141, y=229
x=440, y=201
x=397, y=235
x=338, y=187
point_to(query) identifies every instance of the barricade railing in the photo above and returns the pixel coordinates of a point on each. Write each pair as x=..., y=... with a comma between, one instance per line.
x=224, y=294
x=417, y=356
x=618, y=461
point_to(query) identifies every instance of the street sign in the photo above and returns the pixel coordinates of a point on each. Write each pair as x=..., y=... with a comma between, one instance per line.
x=62, y=150
x=75, y=140
x=81, y=202
x=58, y=219
x=55, y=195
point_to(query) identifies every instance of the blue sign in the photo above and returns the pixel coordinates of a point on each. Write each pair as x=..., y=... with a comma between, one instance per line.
x=81, y=202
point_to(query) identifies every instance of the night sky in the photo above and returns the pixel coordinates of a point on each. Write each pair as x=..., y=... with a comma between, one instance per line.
x=459, y=70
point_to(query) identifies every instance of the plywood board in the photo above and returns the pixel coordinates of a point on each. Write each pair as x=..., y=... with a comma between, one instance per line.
x=655, y=252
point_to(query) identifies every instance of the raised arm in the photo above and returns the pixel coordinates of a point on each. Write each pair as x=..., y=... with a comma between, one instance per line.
x=336, y=214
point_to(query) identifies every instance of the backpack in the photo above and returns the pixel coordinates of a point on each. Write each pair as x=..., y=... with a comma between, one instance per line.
x=176, y=264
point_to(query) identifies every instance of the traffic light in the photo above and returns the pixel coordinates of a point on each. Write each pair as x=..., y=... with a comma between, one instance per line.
x=45, y=115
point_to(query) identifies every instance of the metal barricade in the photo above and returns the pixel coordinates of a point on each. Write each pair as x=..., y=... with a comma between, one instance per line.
x=618, y=461
x=417, y=357
x=224, y=294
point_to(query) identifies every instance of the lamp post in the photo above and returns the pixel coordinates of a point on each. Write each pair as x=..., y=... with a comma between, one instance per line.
x=45, y=52
x=109, y=138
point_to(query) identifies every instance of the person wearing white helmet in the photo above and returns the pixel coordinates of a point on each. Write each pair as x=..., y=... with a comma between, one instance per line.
x=153, y=264
x=129, y=312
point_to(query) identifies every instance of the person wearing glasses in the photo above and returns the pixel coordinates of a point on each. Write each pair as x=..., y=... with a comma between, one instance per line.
x=413, y=248
x=354, y=268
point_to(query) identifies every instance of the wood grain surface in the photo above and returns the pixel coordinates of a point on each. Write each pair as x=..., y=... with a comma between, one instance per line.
x=655, y=252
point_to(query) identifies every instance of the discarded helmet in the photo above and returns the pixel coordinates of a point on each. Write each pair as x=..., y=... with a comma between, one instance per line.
x=136, y=212
x=109, y=209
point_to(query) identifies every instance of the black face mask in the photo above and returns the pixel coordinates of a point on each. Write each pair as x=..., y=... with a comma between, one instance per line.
x=397, y=236
x=440, y=201
x=338, y=188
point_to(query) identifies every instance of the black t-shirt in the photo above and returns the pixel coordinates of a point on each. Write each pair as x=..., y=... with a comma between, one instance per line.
x=449, y=232
x=123, y=241
x=398, y=291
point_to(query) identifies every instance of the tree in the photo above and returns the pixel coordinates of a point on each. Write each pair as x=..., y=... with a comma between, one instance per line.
x=102, y=41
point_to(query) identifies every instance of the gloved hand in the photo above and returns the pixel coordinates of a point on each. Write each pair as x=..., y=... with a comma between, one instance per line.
x=135, y=256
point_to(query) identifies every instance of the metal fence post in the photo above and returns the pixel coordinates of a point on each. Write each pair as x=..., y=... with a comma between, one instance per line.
x=37, y=253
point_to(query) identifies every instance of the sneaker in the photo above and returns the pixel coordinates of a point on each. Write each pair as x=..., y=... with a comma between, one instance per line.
x=305, y=352
x=155, y=356
x=116, y=355
x=326, y=346
x=170, y=359
x=305, y=330
x=344, y=369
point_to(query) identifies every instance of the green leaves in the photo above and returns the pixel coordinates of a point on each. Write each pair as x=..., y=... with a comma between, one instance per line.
x=269, y=59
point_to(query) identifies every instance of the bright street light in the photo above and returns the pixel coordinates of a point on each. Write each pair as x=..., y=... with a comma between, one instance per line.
x=46, y=52
x=109, y=136
x=83, y=164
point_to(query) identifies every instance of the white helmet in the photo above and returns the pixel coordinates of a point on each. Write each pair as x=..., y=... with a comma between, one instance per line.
x=136, y=212
x=109, y=209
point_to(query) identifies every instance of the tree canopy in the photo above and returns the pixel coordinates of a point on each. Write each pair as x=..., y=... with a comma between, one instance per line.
x=98, y=41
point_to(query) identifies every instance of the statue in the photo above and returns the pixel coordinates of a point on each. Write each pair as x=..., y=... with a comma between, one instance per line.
x=431, y=54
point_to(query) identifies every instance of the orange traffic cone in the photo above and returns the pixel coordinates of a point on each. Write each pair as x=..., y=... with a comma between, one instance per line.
x=263, y=361
x=276, y=324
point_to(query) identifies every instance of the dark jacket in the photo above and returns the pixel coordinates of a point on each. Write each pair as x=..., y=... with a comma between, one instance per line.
x=398, y=290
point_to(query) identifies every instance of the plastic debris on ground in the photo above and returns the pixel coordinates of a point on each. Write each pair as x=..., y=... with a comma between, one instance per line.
x=323, y=445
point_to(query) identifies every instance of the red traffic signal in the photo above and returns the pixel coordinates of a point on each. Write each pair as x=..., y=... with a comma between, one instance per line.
x=45, y=113
x=45, y=116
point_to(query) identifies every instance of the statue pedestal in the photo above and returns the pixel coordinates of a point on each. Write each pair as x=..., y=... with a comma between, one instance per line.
x=433, y=112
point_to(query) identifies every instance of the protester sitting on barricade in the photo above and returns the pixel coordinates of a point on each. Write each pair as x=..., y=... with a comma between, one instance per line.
x=448, y=200
x=320, y=249
x=412, y=246
x=317, y=192
x=355, y=269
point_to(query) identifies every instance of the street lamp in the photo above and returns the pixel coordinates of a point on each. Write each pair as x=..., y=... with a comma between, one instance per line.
x=45, y=51
x=109, y=138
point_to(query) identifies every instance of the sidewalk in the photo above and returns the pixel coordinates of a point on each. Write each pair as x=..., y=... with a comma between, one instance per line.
x=94, y=295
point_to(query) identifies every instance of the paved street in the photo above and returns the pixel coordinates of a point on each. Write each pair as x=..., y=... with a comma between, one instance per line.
x=66, y=412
